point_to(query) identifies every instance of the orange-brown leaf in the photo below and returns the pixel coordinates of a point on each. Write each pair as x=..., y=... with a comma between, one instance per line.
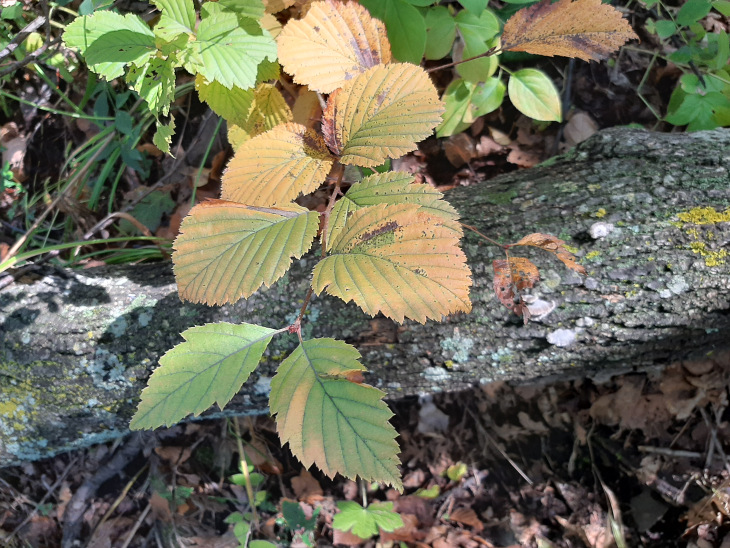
x=587, y=29
x=510, y=278
x=555, y=246
x=275, y=167
x=333, y=43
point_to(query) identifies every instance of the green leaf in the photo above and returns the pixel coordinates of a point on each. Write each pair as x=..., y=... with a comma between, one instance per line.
x=399, y=260
x=696, y=111
x=533, y=93
x=253, y=9
x=721, y=42
x=109, y=41
x=474, y=6
x=328, y=420
x=478, y=35
x=226, y=250
x=406, y=28
x=440, y=32
x=163, y=136
x=178, y=17
x=466, y=101
x=366, y=522
x=295, y=518
x=692, y=11
x=228, y=49
x=723, y=6
x=155, y=83
x=232, y=104
x=149, y=212
x=209, y=367
x=665, y=28
x=389, y=188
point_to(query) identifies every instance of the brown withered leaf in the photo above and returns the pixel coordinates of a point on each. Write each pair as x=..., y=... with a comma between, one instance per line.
x=554, y=245
x=586, y=29
x=510, y=279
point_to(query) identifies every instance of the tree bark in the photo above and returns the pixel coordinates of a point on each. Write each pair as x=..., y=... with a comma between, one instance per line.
x=76, y=347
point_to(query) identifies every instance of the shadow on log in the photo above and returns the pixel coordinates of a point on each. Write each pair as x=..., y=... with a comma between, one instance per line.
x=76, y=347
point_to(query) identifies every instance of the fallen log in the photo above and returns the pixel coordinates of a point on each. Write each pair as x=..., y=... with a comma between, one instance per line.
x=76, y=347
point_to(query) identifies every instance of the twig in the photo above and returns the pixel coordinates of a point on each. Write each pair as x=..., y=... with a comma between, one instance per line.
x=137, y=524
x=73, y=518
x=49, y=492
x=21, y=36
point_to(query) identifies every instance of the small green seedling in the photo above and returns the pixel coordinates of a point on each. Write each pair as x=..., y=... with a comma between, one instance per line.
x=366, y=522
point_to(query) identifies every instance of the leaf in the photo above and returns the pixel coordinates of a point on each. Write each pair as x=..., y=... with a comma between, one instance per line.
x=109, y=41
x=178, y=17
x=478, y=35
x=366, y=522
x=339, y=425
x=209, y=367
x=333, y=43
x=406, y=28
x=228, y=49
x=155, y=83
x=587, y=29
x=253, y=110
x=268, y=110
x=510, y=278
x=253, y=9
x=466, y=101
x=381, y=114
x=399, y=260
x=692, y=11
x=553, y=245
x=163, y=136
x=232, y=104
x=533, y=93
x=390, y=188
x=474, y=6
x=226, y=250
x=275, y=167
x=440, y=32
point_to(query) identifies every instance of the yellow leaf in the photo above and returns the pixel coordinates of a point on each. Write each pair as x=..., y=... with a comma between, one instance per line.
x=275, y=6
x=237, y=136
x=399, y=260
x=587, y=29
x=381, y=114
x=275, y=167
x=393, y=187
x=253, y=110
x=333, y=43
x=226, y=250
x=268, y=110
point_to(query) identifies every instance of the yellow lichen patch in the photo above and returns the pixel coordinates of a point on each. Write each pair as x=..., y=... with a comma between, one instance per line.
x=601, y=213
x=592, y=255
x=712, y=258
x=705, y=216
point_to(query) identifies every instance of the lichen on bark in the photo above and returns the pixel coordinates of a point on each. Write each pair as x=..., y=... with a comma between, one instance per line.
x=76, y=347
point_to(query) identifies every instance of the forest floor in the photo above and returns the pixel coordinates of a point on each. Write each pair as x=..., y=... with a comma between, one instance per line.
x=635, y=460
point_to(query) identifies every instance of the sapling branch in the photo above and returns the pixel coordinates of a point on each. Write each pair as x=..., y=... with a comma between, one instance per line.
x=333, y=198
x=490, y=240
x=488, y=53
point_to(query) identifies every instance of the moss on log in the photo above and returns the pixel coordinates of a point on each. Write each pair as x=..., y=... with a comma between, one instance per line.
x=647, y=214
